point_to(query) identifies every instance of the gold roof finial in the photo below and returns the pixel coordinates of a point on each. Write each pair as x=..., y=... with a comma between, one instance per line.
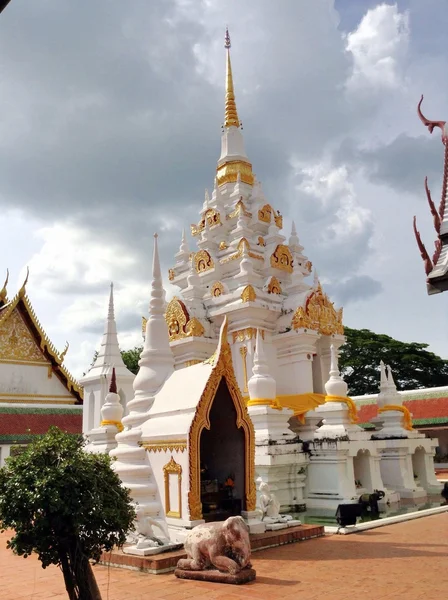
x=22, y=290
x=4, y=291
x=231, y=115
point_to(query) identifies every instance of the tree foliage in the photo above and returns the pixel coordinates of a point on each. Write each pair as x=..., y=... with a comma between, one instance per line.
x=412, y=364
x=66, y=505
x=131, y=358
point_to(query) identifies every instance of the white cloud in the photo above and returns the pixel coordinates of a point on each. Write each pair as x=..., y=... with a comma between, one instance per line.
x=70, y=260
x=378, y=47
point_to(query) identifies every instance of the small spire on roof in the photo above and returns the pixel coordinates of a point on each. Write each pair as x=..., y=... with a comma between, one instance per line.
x=22, y=290
x=113, y=382
x=3, y=291
x=111, y=310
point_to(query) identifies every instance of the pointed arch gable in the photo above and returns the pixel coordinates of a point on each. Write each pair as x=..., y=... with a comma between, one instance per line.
x=222, y=369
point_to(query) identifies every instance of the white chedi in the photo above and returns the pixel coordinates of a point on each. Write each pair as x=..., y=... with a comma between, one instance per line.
x=112, y=410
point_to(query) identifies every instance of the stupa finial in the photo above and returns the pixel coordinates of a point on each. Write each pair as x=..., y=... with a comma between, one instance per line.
x=111, y=311
x=231, y=114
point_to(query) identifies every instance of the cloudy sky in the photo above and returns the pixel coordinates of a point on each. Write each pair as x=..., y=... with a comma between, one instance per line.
x=110, y=120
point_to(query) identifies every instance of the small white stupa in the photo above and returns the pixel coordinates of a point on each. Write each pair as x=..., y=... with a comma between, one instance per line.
x=102, y=439
x=95, y=380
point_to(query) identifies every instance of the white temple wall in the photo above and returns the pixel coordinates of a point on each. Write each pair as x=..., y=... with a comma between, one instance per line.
x=17, y=379
x=158, y=460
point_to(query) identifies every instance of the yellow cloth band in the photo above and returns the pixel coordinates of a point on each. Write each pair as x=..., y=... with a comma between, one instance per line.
x=352, y=410
x=117, y=424
x=407, y=418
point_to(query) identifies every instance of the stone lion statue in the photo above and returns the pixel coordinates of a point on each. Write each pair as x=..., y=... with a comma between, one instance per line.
x=224, y=545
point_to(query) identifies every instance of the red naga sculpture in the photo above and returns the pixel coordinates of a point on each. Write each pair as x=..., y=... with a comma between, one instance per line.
x=436, y=282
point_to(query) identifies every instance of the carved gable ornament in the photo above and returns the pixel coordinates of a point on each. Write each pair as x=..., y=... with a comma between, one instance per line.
x=179, y=323
x=203, y=261
x=17, y=342
x=282, y=259
x=319, y=314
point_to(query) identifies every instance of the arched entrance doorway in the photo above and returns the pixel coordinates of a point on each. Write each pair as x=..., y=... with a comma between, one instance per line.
x=222, y=460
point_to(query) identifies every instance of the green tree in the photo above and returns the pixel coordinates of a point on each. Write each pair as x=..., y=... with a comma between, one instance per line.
x=66, y=505
x=131, y=358
x=412, y=364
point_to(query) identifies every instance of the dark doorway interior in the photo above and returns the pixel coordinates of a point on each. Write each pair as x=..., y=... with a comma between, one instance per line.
x=222, y=460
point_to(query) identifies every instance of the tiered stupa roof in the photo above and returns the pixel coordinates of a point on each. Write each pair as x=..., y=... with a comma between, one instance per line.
x=243, y=263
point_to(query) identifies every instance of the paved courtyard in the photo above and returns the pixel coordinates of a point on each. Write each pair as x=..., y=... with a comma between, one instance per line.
x=408, y=560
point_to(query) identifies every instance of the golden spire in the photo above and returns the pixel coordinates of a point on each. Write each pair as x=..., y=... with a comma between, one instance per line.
x=231, y=115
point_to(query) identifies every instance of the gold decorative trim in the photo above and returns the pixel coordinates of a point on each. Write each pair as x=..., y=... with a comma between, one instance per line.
x=228, y=172
x=203, y=261
x=282, y=259
x=176, y=317
x=248, y=294
x=217, y=289
x=265, y=213
x=261, y=241
x=144, y=321
x=279, y=220
x=223, y=245
x=274, y=286
x=249, y=333
x=193, y=361
x=194, y=328
x=319, y=314
x=34, y=363
x=33, y=401
x=308, y=266
x=240, y=208
x=171, y=274
x=172, y=468
x=213, y=218
x=165, y=445
x=60, y=396
x=240, y=248
x=243, y=352
x=222, y=368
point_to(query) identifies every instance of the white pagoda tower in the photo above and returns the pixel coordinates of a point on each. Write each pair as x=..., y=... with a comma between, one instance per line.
x=244, y=268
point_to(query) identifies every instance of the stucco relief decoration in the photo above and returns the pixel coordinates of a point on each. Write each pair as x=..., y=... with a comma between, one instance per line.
x=194, y=328
x=16, y=341
x=308, y=266
x=222, y=368
x=173, y=469
x=248, y=294
x=217, y=289
x=203, y=261
x=265, y=213
x=319, y=314
x=282, y=259
x=240, y=208
x=261, y=241
x=278, y=220
x=239, y=253
x=213, y=218
x=171, y=274
x=176, y=317
x=274, y=286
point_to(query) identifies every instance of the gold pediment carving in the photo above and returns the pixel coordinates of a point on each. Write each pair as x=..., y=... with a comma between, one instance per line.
x=217, y=289
x=282, y=259
x=203, y=261
x=213, y=218
x=274, y=286
x=248, y=294
x=228, y=172
x=179, y=323
x=265, y=213
x=319, y=314
x=17, y=343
